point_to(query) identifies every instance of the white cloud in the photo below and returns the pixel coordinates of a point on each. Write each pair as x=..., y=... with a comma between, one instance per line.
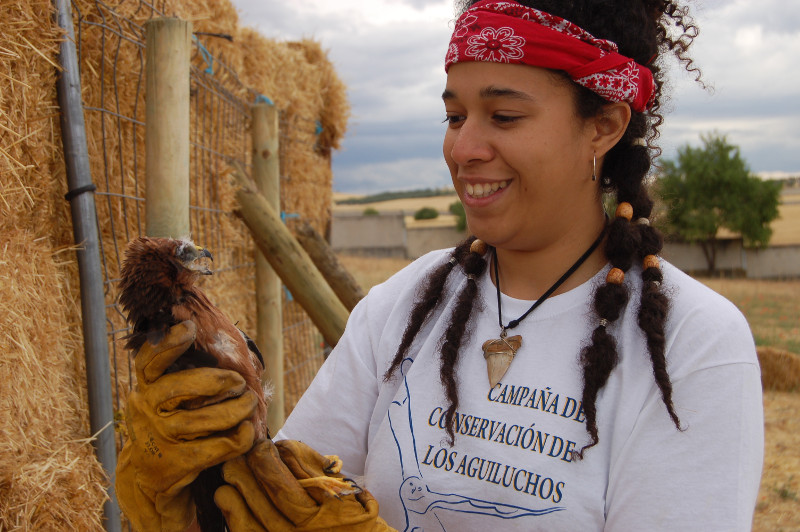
x=747, y=55
x=390, y=54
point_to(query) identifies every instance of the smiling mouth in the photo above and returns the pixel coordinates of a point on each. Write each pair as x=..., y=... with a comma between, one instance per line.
x=482, y=190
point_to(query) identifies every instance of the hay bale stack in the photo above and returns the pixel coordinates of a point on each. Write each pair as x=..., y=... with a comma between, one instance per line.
x=305, y=173
x=296, y=76
x=780, y=370
x=49, y=476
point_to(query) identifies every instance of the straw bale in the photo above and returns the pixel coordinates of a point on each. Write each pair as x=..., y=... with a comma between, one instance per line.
x=780, y=370
x=302, y=346
x=312, y=94
x=49, y=475
x=28, y=113
x=297, y=76
x=334, y=109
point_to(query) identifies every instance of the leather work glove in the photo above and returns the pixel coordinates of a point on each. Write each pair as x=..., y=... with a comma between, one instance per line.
x=178, y=425
x=287, y=486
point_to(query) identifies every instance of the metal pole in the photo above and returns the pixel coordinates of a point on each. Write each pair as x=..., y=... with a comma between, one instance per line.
x=84, y=222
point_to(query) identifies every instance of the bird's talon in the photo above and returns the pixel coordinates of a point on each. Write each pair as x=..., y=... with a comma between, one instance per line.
x=334, y=464
x=331, y=485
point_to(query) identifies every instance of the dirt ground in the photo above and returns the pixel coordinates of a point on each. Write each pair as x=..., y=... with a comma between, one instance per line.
x=778, y=506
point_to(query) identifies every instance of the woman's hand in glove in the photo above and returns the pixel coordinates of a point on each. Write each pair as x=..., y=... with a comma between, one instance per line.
x=287, y=486
x=178, y=425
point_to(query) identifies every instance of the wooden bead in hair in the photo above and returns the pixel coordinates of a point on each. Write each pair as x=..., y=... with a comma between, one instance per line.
x=624, y=210
x=623, y=239
x=650, y=261
x=474, y=262
x=615, y=276
x=478, y=246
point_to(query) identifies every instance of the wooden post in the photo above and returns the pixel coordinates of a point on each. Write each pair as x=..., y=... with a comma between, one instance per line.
x=168, y=49
x=266, y=174
x=290, y=261
x=343, y=284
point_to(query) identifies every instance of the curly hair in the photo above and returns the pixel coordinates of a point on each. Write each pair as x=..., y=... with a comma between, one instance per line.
x=647, y=31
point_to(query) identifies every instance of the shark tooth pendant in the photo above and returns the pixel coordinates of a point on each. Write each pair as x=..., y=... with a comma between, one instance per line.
x=498, y=354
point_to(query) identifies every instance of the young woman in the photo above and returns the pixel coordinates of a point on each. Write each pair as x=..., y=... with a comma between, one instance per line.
x=551, y=373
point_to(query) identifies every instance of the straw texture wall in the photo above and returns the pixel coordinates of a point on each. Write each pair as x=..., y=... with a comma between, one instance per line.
x=49, y=477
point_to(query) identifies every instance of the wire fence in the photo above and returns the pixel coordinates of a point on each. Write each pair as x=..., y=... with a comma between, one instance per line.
x=111, y=45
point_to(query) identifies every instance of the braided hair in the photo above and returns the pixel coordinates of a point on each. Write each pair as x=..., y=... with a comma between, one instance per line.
x=644, y=30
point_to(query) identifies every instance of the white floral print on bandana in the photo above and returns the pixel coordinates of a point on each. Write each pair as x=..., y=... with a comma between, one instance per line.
x=496, y=45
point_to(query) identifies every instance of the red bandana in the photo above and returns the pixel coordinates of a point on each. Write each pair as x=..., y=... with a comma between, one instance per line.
x=508, y=32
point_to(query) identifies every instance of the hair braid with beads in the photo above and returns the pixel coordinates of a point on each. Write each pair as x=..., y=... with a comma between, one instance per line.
x=643, y=30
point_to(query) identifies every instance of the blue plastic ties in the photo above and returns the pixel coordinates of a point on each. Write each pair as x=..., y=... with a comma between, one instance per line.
x=319, y=129
x=260, y=98
x=207, y=57
x=287, y=215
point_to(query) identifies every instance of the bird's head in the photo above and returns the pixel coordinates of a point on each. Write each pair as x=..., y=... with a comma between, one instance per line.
x=189, y=256
x=159, y=272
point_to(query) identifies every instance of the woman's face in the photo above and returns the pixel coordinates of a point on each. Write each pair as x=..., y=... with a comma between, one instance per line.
x=519, y=155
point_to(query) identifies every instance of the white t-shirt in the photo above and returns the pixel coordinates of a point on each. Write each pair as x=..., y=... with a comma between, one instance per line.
x=510, y=467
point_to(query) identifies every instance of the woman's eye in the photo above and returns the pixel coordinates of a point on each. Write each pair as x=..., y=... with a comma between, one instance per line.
x=505, y=119
x=453, y=120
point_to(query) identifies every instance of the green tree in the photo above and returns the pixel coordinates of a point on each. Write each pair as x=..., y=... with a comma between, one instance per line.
x=710, y=188
x=457, y=208
x=426, y=213
x=370, y=211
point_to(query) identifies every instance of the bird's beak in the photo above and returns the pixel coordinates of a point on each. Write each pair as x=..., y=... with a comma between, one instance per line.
x=205, y=253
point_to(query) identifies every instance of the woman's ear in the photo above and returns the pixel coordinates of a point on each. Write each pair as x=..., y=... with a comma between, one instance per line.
x=609, y=126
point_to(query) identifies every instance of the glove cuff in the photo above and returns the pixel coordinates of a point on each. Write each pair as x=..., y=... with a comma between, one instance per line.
x=169, y=514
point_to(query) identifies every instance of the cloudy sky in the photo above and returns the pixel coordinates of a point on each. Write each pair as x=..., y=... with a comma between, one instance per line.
x=390, y=54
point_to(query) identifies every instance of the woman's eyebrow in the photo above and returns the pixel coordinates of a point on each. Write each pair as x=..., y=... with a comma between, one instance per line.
x=492, y=92
x=502, y=92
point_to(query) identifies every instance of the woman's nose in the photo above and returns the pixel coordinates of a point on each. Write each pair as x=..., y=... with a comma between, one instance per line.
x=471, y=144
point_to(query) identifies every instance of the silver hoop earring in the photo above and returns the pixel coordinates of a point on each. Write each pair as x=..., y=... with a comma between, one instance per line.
x=594, y=167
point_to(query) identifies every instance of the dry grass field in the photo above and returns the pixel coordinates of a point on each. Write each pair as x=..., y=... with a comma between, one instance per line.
x=786, y=229
x=773, y=311
x=778, y=506
x=771, y=307
x=408, y=205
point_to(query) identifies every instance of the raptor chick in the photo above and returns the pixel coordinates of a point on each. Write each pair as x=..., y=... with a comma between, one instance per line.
x=157, y=291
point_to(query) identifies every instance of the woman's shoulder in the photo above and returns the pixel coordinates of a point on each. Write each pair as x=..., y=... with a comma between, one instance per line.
x=690, y=297
x=703, y=322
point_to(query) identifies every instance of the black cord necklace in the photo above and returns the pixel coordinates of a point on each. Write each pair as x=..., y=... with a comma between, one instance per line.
x=500, y=352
